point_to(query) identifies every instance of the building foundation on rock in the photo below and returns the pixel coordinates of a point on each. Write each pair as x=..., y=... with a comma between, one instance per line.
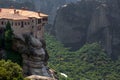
x=24, y=21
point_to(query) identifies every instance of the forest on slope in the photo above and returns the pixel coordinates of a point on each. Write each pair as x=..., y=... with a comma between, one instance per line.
x=88, y=63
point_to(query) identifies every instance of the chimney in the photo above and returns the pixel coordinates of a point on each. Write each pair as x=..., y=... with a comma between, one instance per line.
x=15, y=11
x=39, y=14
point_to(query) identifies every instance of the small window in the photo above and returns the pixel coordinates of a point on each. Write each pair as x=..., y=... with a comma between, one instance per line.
x=15, y=23
x=22, y=24
x=32, y=20
x=39, y=21
x=2, y=23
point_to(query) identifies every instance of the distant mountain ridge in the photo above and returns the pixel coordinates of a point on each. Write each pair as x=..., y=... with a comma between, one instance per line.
x=9, y=3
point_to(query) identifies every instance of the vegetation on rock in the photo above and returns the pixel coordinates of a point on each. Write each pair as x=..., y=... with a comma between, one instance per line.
x=6, y=43
x=8, y=36
x=10, y=71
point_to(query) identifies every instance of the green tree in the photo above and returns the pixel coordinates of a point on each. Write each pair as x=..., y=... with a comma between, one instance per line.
x=8, y=36
x=8, y=41
x=88, y=63
x=10, y=71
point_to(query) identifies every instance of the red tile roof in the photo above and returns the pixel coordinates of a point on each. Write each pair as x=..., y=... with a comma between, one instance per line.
x=19, y=14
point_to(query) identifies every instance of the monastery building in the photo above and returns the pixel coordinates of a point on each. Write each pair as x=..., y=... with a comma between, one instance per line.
x=24, y=21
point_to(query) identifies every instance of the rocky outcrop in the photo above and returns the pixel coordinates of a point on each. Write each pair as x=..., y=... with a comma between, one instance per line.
x=100, y=21
x=34, y=55
x=89, y=21
x=33, y=52
x=71, y=23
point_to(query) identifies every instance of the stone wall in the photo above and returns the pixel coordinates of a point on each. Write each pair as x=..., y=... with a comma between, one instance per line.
x=29, y=26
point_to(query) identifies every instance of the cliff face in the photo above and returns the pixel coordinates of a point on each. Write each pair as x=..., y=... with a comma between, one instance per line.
x=30, y=51
x=34, y=55
x=71, y=23
x=89, y=21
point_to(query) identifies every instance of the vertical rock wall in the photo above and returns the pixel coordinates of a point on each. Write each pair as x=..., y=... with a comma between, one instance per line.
x=90, y=21
x=34, y=55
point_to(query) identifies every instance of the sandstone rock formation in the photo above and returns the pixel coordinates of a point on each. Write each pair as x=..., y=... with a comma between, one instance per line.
x=90, y=21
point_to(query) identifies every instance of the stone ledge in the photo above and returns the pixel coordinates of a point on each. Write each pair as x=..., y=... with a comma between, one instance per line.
x=37, y=77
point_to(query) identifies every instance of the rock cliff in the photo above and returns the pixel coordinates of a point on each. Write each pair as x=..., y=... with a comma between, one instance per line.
x=89, y=21
x=34, y=55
